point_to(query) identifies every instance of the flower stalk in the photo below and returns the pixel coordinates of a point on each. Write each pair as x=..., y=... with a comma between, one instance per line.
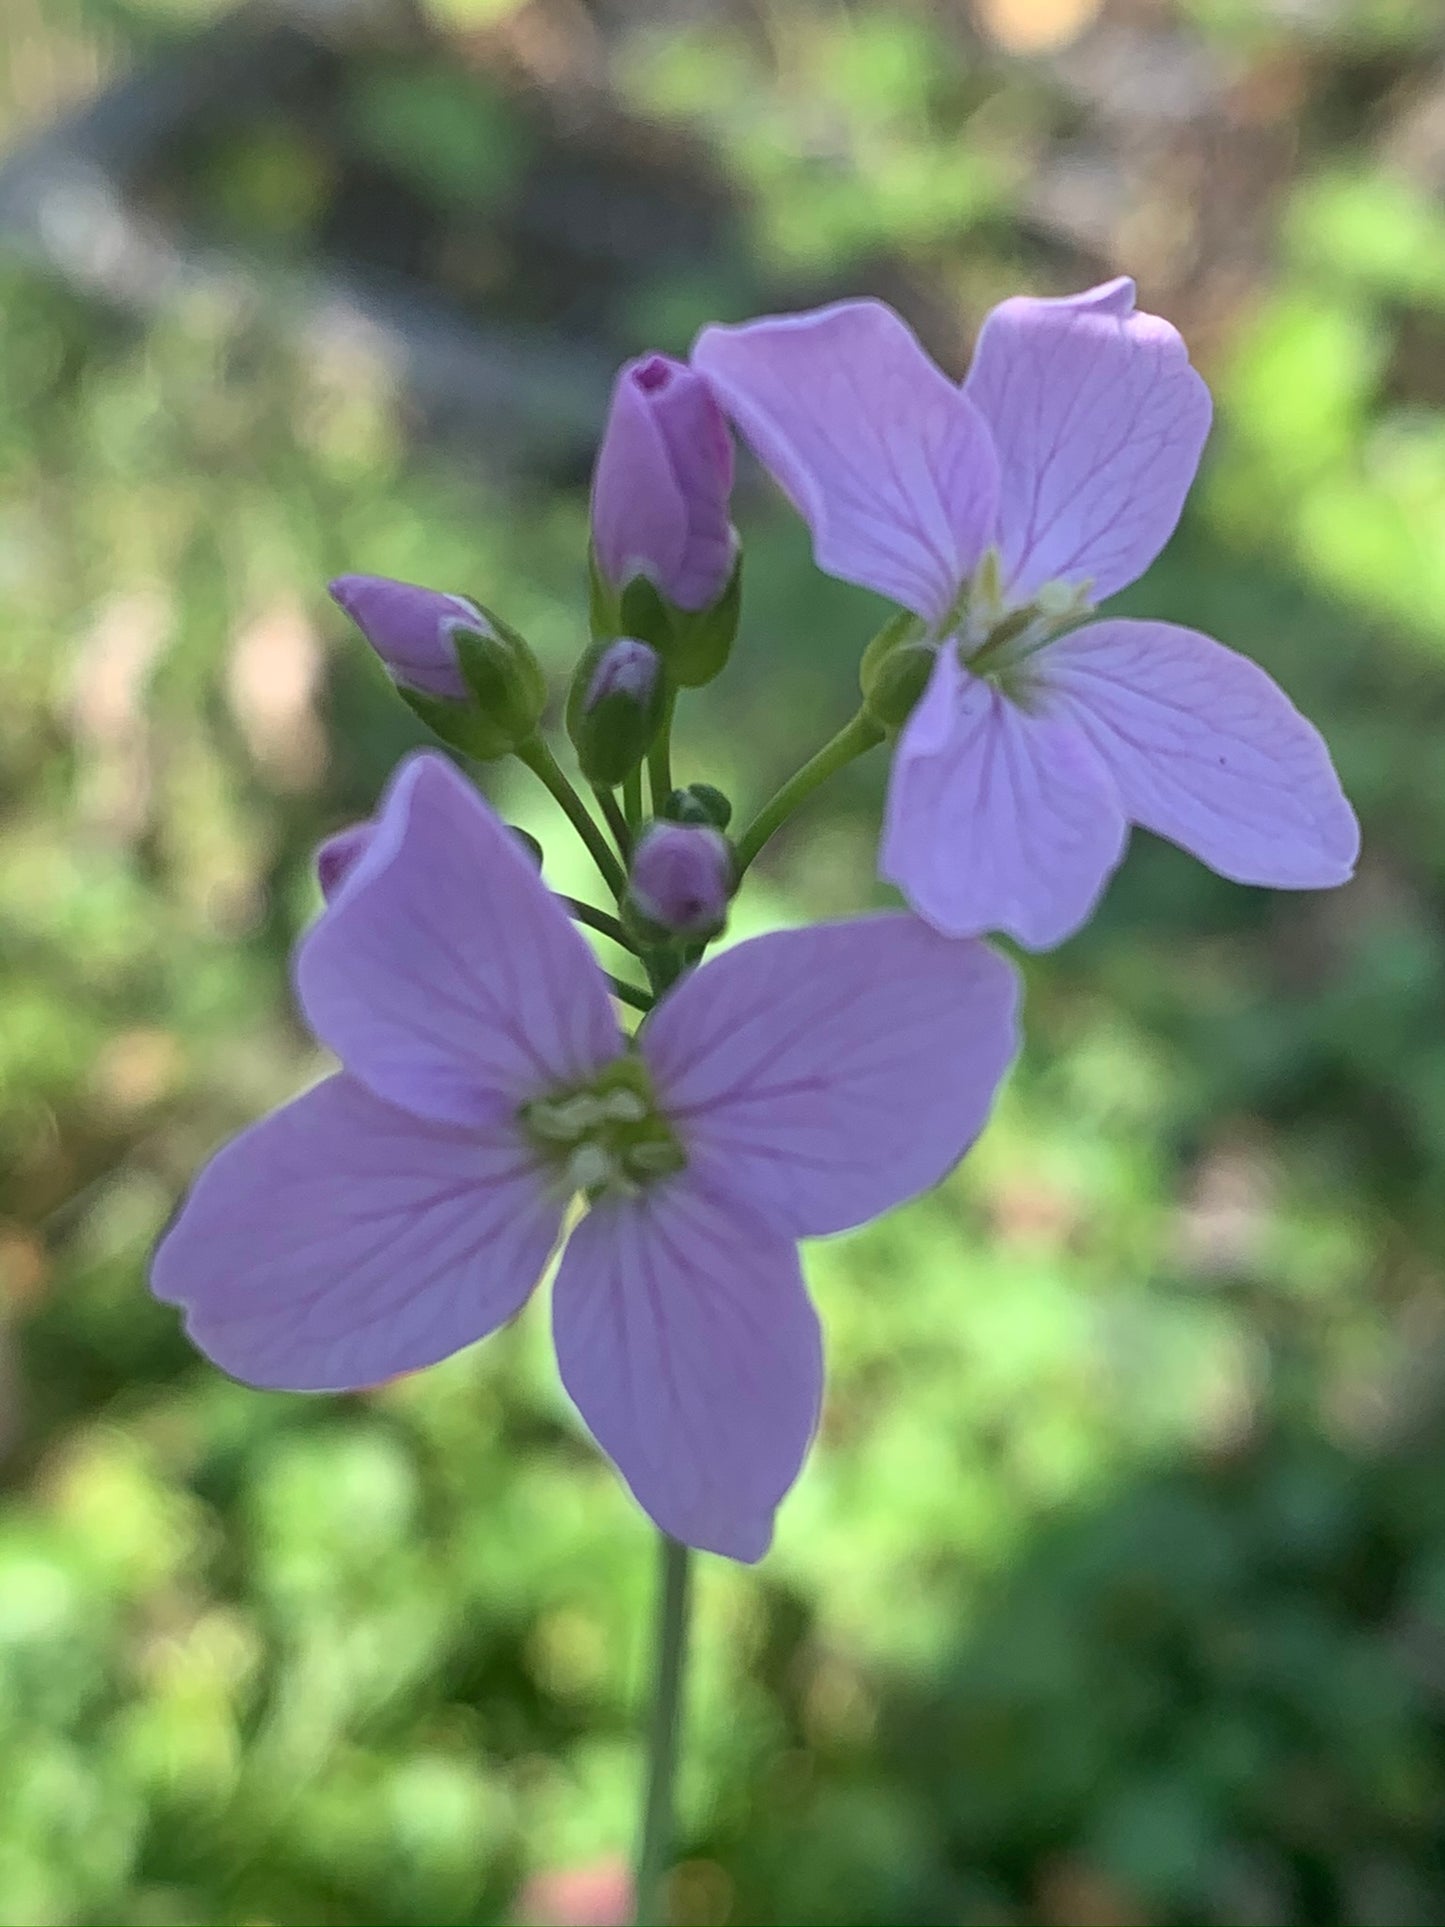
x=656, y=1841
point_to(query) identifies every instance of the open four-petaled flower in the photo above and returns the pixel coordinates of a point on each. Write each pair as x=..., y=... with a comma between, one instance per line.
x=796, y=1085
x=999, y=513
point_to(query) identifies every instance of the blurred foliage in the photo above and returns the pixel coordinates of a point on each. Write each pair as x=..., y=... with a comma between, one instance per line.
x=1115, y=1590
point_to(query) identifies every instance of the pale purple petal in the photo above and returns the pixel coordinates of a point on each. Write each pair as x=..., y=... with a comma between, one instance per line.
x=411, y=629
x=890, y=466
x=827, y=1074
x=687, y=1341
x=341, y=1241
x=446, y=976
x=1205, y=749
x=664, y=476
x=998, y=819
x=338, y=856
x=1099, y=422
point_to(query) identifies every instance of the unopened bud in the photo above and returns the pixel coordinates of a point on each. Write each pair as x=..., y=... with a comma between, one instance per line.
x=681, y=881
x=698, y=803
x=410, y=628
x=614, y=708
x=661, y=487
x=465, y=673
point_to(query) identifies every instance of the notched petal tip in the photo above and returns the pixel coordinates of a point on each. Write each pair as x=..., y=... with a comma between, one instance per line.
x=1100, y=422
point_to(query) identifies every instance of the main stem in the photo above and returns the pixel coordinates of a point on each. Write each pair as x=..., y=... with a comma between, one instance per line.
x=655, y=1848
x=855, y=738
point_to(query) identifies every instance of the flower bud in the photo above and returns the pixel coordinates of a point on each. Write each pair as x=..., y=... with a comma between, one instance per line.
x=681, y=880
x=339, y=855
x=698, y=803
x=468, y=675
x=411, y=629
x=614, y=708
x=661, y=486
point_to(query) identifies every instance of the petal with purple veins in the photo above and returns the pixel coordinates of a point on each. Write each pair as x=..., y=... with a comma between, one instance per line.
x=890, y=466
x=446, y=976
x=687, y=1341
x=1099, y=422
x=998, y=818
x=1205, y=749
x=827, y=1074
x=341, y=1241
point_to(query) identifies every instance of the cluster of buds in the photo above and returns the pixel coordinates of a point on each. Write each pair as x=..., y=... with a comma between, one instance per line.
x=665, y=588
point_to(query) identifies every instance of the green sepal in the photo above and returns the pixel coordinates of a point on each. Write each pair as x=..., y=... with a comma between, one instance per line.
x=602, y=610
x=458, y=725
x=702, y=639
x=698, y=803
x=894, y=671
x=505, y=679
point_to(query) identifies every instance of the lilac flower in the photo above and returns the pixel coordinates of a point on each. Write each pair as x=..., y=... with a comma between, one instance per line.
x=660, y=492
x=681, y=879
x=999, y=514
x=411, y=629
x=796, y=1085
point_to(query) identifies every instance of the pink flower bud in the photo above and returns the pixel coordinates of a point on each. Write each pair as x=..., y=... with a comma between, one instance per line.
x=411, y=629
x=681, y=880
x=661, y=487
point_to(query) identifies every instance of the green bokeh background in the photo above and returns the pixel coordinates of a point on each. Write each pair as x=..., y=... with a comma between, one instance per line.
x=1114, y=1590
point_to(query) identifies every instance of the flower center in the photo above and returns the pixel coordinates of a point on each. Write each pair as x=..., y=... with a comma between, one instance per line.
x=996, y=639
x=607, y=1134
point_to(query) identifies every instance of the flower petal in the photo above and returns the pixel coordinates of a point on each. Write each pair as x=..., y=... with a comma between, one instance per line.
x=688, y=1343
x=827, y=1074
x=341, y=1241
x=891, y=468
x=446, y=976
x=1099, y=422
x=1205, y=749
x=997, y=818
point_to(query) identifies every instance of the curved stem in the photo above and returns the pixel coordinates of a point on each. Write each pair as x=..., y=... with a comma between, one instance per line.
x=659, y=757
x=656, y=1846
x=856, y=737
x=598, y=920
x=629, y=993
x=616, y=821
x=545, y=767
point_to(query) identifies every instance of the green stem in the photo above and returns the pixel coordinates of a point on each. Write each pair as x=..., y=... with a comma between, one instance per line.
x=632, y=797
x=855, y=738
x=659, y=757
x=544, y=765
x=616, y=821
x=599, y=920
x=629, y=993
x=657, y=1845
